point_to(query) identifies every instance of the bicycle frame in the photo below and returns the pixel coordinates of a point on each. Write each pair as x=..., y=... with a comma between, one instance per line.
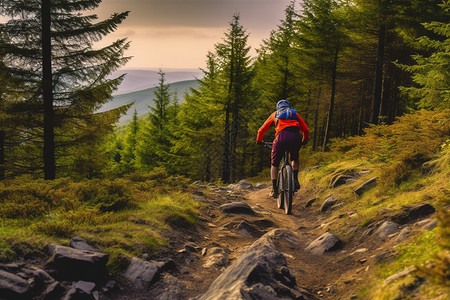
x=285, y=183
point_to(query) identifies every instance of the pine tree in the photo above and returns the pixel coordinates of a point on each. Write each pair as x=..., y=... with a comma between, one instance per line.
x=198, y=144
x=128, y=158
x=236, y=75
x=321, y=37
x=155, y=144
x=432, y=72
x=49, y=48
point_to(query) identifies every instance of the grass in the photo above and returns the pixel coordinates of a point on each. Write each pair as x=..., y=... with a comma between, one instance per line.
x=411, y=169
x=124, y=217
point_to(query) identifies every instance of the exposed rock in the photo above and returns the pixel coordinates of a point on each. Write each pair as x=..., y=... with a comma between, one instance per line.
x=80, y=291
x=73, y=264
x=260, y=186
x=190, y=248
x=427, y=224
x=366, y=186
x=142, y=273
x=328, y=203
x=259, y=273
x=386, y=229
x=13, y=287
x=310, y=202
x=40, y=275
x=109, y=287
x=326, y=242
x=242, y=185
x=413, y=212
x=246, y=229
x=359, y=251
x=404, y=233
x=237, y=208
x=216, y=257
x=361, y=173
x=80, y=244
x=340, y=180
x=53, y=291
x=384, y=256
x=309, y=169
x=11, y=268
x=399, y=275
x=169, y=288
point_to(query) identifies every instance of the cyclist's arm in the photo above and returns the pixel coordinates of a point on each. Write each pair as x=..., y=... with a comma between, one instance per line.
x=265, y=127
x=304, y=128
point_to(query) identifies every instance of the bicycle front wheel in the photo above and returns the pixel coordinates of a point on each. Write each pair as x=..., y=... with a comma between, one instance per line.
x=288, y=189
x=280, y=187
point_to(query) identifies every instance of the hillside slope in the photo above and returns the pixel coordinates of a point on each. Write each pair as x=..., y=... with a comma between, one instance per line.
x=144, y=98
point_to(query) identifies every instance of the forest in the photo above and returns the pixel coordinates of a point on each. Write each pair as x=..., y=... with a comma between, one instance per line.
x=346, y=66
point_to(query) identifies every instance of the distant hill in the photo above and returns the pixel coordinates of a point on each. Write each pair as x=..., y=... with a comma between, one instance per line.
x=144, y=98
x=137, y=80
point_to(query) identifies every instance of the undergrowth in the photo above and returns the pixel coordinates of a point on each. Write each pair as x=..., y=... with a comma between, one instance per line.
x=123, y=217
x=411, y=161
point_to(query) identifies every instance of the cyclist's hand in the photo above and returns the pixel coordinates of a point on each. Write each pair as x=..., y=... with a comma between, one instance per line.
x=260, y=143
x=304, y=142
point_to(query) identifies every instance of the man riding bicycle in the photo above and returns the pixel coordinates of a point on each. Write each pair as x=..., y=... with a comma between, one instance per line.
x=288, y=125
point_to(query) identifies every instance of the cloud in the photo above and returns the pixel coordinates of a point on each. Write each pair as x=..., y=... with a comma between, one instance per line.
x=197, y=13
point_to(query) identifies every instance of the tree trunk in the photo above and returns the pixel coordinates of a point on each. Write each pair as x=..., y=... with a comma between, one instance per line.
x=316, y=121
x=47, y=92
x=2, y=155
x=333, y=94
x=377, y=90
x=208, y=169
x=226, y=149
x=233, y=147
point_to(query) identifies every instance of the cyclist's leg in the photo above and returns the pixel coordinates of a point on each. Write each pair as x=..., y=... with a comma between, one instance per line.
x=294, y=148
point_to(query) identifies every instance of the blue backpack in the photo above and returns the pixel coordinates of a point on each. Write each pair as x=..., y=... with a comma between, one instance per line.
x=286, y=113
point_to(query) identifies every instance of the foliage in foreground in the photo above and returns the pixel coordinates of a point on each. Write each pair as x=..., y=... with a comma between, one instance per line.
x=411, y=160
x=122, y=217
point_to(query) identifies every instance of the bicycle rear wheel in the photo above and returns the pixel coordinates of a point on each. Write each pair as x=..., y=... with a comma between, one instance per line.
x=288, y=189
x=280, y=199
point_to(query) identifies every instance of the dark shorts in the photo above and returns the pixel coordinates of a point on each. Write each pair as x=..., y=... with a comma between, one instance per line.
x=288, y=139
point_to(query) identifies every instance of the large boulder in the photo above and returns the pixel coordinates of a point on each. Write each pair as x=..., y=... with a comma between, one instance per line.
x=259, y=273
x=13, y=287
x=73, y=264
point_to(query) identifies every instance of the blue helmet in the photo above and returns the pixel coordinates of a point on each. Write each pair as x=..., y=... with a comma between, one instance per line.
x=283, y=104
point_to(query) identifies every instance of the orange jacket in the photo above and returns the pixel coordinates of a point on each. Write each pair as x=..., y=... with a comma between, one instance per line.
x=282, y=123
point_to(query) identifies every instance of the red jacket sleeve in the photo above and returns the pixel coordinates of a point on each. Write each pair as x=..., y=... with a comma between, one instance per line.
x=265, y=127
x=304, y=128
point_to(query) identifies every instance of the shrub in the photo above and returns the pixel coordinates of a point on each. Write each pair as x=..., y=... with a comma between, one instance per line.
x=439, y=270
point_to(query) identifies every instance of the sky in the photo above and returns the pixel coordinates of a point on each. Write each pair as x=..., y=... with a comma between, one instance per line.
x=177, y=34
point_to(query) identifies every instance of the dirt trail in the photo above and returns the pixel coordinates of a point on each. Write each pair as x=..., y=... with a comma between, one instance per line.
x=334, y=275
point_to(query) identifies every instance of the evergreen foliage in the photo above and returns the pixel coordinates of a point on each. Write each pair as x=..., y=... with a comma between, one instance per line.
x=432, y=72
x=47, y=47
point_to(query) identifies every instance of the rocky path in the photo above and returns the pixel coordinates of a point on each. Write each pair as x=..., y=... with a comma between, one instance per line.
x=243, y=248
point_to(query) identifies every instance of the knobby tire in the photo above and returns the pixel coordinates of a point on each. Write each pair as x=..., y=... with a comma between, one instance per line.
x=280, y=198
x=288, y=189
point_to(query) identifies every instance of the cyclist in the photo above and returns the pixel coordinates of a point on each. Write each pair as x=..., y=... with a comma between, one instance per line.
x=288, y=125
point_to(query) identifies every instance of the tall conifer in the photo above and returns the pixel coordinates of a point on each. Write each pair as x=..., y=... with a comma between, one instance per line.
x=49, y=48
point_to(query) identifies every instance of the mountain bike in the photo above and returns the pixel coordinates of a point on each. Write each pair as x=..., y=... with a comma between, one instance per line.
x=285, y=183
